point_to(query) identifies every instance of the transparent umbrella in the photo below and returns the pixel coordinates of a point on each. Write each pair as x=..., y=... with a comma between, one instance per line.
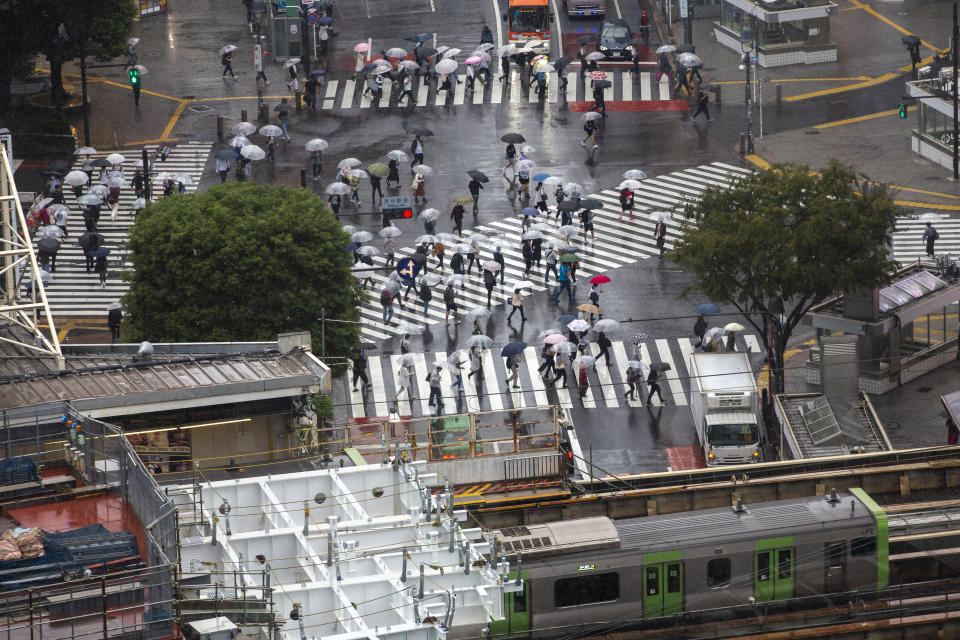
x=271, y=130
x=408, y=328
x=398, y=155
x=484, y=342
x=429, y=215
x=390, y=232
x=427, y=238
x=316, y=144
x=252, y=152
x=423, y=170
x=348, y=163
x=362, y=236
x=337, y=189
x=634, y=174
x=76, y=178
x=243, y=128
x=367, y=250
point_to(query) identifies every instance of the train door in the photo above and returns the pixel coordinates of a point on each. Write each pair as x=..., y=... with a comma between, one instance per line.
x=662, y=589
x=773, y=574
x=516, y=612
x=835, y=566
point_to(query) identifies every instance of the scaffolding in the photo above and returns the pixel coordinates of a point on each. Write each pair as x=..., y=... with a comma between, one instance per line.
x=19, y=266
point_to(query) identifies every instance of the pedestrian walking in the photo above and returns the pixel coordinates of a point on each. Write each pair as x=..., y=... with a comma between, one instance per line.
x=551, y=259
x=523, y=176
x=284, y=119
x=471, y=77
x=538, y=251
x=335, y=201
x=316, y=164
x=439, y=250
x=393, y=174
x=603, y=342
x=516, y=301
x=324, y=39
x=419, y=189
x=653, y=387
x=586, y=219
x=475, y=186
x=633, y=379
x=476, y=364
x=511, y=157
x=699, y=330
x=930, y=236
x=599, y=102
x=914, y=49
x=664, y=68
x=582, y=57
x=563, y=280
x=354, y=182
x=546, y=353
x=223, y=168
x=100, y=266
x=504, y=68
x=360, y=368
x=486, y=36
x=359, y=63
x=407, y=91
x=416, y=148
x=436, y=399
x=660, y=234
x=271, y=149
x=457, y=373
x=386, y=301
x=513, y=371
x=114, y=318
x=404, y=375
x=559, y=369
x=472, y=259
x=310, y=92
x=375, y=189
x=425, y=297
x=489, y=281
x=542, y=204
x=227, y=61
x=626, y=203
x=594, y=297
x=450, y=300
x=703, y=98
x=583, y=382
x=527, y=251
x=590, y=128
x=457, y=216
x=60, y=218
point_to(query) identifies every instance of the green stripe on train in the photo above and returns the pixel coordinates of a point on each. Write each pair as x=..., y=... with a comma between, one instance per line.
x=883, y=537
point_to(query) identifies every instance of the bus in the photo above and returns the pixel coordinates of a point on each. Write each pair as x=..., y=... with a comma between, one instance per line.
x=528, y=23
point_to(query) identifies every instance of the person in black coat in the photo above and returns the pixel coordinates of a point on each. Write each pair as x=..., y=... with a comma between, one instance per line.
x=114, y=318
x=527, y=257
x=416, y=149
x=474, y=187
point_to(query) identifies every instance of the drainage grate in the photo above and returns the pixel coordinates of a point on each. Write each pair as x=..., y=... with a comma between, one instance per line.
x=200, y=108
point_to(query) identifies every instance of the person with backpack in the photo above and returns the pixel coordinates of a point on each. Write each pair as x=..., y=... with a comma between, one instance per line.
x=591, y=130
x=595, y=299
x=405, y=344
x=930, y=236
x=386, y=300
x=489, y=281
x=563, y=280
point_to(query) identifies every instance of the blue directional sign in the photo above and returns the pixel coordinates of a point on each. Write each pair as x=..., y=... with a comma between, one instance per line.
x=408, y=268
x=395, y=202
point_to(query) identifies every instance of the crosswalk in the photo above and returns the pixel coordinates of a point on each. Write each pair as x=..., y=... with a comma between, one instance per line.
x=626, y=86
x=489, y=391
x=74, y=292
x=618, y=244
x=908, y=245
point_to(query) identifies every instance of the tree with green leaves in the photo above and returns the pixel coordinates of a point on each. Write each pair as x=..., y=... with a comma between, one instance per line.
x=63, y=30
x=241, y=262
x=781, y=241
x=18, y=49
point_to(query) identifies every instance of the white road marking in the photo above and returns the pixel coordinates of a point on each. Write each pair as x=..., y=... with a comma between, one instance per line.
x=664, y=87
x=458, y=92
x=496, y=18
x=478, y=90
x=422, y=94
x=603, y=372
x=556, y=22
x=644, y=85
x=645, y=357
x=330, y=96
x=420, y=379
x=496, y=91
x=620, y=355
x=364, y=99
x=446, y=390
x=616, y=5
x=552, y=81
x=379, y=391
x=588, y=401
x=387, y=90
x=490, y=383
x=676, y=390
x=539, y=391
x=626, y=85
x=403, y=402
x=572, y=86
x=753, y=345
x=441, y=97
x=346, y=101
x=369, y=48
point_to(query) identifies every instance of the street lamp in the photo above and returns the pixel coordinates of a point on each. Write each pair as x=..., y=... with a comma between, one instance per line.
x=747, y=46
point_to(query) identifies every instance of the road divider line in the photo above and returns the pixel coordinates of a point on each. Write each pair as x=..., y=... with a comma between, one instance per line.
x=887, y=77
x=882, y=18
x=869, y=116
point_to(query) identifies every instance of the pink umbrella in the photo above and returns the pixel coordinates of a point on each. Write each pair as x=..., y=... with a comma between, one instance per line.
x=474, y=60
x=362, y=47
x=597, y=75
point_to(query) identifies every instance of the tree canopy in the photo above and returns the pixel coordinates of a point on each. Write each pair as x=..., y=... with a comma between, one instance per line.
x=787, y=234
x=241, y=262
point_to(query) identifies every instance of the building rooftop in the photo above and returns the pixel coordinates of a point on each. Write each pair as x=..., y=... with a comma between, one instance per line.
x=348, y=546
x=815, y=427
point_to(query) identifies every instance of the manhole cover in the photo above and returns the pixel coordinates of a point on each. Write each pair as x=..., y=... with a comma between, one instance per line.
x=200, y=108
x=924, y=389
x=812, y=132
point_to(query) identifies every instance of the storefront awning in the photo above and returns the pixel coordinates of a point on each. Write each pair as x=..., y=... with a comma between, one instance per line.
x=771, y=15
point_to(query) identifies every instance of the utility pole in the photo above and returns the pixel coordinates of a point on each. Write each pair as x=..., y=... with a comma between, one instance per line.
x=746, y=45
x=305, y=37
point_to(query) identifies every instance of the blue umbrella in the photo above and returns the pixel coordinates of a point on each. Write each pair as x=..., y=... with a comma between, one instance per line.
x=325, y=20
x=540, y=177
x=707, y=308
x=318, y=72
x=529, y=211
x=420, y=37
x=567, y=318
x=513, y=349
x=372, y=65
x=100, y=252
x=353, y=246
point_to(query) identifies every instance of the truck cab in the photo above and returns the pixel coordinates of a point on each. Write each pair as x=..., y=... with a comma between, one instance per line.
x=724, y=401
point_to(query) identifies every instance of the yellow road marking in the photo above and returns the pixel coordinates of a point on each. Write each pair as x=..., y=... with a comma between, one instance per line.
x=929, y=193
x=887, y=77
x=869, y=116
x=138, y=143
x=927, y=205
x=780, y=80
x=174, y=118
x=923, y=61
x=242, y=98
x=906, y=32
x=758, y=161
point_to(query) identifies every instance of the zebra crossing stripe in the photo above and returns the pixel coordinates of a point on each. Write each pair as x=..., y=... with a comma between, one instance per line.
x=588, y=400
x=422, y=94
x=645, y=93
x=420, y=379
x=379, y=389
x=536, y=382
x=676, y=390
x=626, y=85
x=603, y=374
x=331, y=94
x=753, y=345
x=348, y=88
x=478, y=92
x=620, y=355
x=491, y=383
x=571, y=87
x=496, y=91
x=402, y=399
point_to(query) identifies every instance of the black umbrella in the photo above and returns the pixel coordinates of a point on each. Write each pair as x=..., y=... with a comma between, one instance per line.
x=421, y=131
x=100, y=162
x=318, y=72
x=48, y=245
x=479, y=176
x=569, y=205
x=590, y=203
x=420, y=37
x=686, y=47
x=100, y=252
x=283, y=107
x=910, y=40
x=512, y=138
x=368, y=345
x=561, y=62
x=60, y=166
x=601, y=84
x=90, y=239
x=226, y=154
x=661, y=366
x=588, y=39
x=428, y=52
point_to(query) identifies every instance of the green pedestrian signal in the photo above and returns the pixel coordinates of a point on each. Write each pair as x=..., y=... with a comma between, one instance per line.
x=903, y=110
x=134, y=77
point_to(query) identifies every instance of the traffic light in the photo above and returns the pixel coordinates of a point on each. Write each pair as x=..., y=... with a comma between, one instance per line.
x=134, y=78
x=903, y=110
x=407, y=213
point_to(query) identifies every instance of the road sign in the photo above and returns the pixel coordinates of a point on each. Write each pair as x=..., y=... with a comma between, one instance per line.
x=408, y=268
x=313, y=18
x=395, y=202
x=281, y=5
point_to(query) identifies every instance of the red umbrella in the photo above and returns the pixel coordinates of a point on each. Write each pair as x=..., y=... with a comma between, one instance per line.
x=599, y=279
x=597, y=75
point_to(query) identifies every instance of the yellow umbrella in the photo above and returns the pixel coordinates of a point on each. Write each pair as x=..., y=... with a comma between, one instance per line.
x=589, y=308
x=733, y=326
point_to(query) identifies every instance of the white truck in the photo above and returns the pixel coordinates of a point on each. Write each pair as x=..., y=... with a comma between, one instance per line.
x=725, y=403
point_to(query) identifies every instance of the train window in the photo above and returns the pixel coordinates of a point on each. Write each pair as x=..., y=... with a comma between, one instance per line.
x=718, y=573
x=785, y=569
x=653, y=581
x=572, y=592
x=763, y=566
x=863, y=546
x=673, y=578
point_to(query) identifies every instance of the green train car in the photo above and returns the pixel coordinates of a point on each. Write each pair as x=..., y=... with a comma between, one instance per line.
x=598, y=570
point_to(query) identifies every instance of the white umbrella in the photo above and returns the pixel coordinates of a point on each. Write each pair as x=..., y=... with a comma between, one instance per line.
x=666, y=48
x=430, y=279
x=252, y=152
x=568, y=230
x=565, y=347
x=457, y=278
x=446, y=66
x=408, y=328
x=243, y=128
x=533, y=234
x=316, y=144
x=349, y=228
x=579, y=325
x=689, y=60
x=116, y=181
x=84, y=151
x=733, y=326
x=926, y=217
x=292, y=61
x=634, y=174
x=526, y=165
x=422, y=169
x=409, y=64
x=572, y=189
x=337, y=189
x=239, y=140
x=462, y=248
x=449, y=53
x=479, y=312
x=348, y=163
x=183, y=178
x=139, y=203
x=390, y=232
x=660, y=216
x=591, y=115
x=381, y=69
x=362, y=236
x=429, y=215
x=116, y=303
x=358, y=173
x=545, y=67
x=90, y=199
x=367, y=250
x=100, y=190
x=396, y=52
x=596, y=55
x=606, y=325
x=482, y=54
x=527, y=149
x=486, y=46
x=427, y=238
x=552, y=182
x=508, y=50
x=449, y=238
x=520, y=284
x=115, y=158
x=484, y=342
x=230, y=48
x=271, y=130
x=630, y=184
x=142, y=70
x=76, y=178
x=398, y=155
x=714, y=333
